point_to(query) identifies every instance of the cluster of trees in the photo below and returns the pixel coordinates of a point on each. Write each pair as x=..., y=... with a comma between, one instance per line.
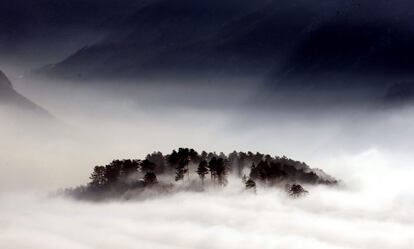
x=295, y=190
x=187, y=164
x=273, y=170
x=121, y=175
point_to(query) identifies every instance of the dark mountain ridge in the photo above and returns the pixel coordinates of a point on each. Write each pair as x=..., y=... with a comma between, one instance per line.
x=45, y=30
x=279, y=41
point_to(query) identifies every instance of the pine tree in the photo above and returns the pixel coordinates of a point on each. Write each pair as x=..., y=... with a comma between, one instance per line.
x=180, y=170
x=221, y=171
x=150, y=178
x=202, y=170
x=212, y=167
x=147, y=166
x=296, y=190
x=98, y=177
x=250, y=184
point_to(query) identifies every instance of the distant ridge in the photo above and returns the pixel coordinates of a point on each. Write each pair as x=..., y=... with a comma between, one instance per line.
x=10, y=97
x=329, y=44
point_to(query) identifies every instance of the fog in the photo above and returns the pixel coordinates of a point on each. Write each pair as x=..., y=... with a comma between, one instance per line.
x=361, y=217
x=328, y=83
x=367, y=147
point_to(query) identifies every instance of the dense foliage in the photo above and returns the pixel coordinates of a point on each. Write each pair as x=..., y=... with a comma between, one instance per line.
x=187, y=166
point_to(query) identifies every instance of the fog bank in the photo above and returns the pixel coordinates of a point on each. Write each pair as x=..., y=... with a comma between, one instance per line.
x=367, y=147
x=357, y=217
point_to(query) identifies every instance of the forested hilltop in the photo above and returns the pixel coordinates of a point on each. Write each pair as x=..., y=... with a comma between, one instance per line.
x=187, y=170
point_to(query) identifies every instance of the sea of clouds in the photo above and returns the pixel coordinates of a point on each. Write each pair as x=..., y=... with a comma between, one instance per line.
x=375, y=212
x=369, y=151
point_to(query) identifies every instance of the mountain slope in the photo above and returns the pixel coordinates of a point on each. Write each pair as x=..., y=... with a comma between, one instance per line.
x=40, y=31
x=369, y=53
x=10, y=98
x=185, y=36
x=329, y=44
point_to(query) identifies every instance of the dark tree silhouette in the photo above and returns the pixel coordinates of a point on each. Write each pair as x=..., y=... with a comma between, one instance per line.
x=254, y=171
x=218, y=170
x=98, y=178
x=150, y=178
x=212, y=167
x=117, y=170
x=193, y=156
x=113, y=172
x=180, y=161
x=269, y=172
x=159, y=160
x=128, y=167
x=203, y=155
x=181, y=169
x=221, y=171
x=235, y=163
x=250, y=184
x=121, y=175
x=147, y=166
x=296, y=190
x=173, y=159
x=202, y=169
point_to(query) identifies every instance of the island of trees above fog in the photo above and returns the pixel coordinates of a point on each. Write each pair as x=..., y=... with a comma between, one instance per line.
x=187, y=170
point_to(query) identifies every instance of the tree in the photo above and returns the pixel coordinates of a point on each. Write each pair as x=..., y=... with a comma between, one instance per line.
x=193, y=156
x=212, y=167
x=250, y=184
x=296, y=190
x=128, y=167
x=173, y=160
x=113, y=172
x=263, y=171
x=254, y=172
x=235, y=163
x=147, y=166
x=181, y=169
x=159, y=160
x=221, y=171
x=202, y=170
x=267, y=172
x=98, y=177
x=218, y=170
x=186, y=156
x=150, y=178
x=203, y=155
x=180, y=161
x=119, y=175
